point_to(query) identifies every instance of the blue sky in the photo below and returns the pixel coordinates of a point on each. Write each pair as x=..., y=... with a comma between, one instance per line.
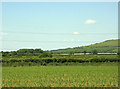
x=55, y=25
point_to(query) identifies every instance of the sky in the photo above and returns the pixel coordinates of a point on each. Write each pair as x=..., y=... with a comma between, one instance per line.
x=57, y=25
x=60, y=0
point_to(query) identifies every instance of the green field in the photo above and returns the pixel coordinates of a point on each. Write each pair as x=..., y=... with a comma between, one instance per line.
x=108, y=46
x=60, y=76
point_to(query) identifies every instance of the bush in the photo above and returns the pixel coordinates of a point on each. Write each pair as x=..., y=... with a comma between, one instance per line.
x=45, y=54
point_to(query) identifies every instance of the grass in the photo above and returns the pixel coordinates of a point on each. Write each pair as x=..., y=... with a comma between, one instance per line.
x=108, y=46
x=60, y=76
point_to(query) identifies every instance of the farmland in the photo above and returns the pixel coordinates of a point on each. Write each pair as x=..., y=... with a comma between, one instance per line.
x=61, y=76
x=60, y=71
x=59, y=44
x=39, y=68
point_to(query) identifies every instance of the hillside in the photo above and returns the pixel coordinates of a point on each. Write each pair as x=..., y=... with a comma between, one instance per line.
x=109, y=46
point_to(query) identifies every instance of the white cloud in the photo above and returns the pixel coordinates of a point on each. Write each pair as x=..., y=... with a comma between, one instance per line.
x=90, y=21
x=3, y=34
x=75, y=33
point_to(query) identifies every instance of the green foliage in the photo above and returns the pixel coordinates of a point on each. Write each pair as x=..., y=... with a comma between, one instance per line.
x=45, y=54
x=64, y=59
x=5, y=54
x=70, y=52
x=14, y=53
x=23, y=52
x=84, y=52
x=94, y=51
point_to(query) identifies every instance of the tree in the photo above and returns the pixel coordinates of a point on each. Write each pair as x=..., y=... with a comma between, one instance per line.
x=38, y=51
x=95, y=51
x=84, y=52
x=4, y=54
x=118, y=53
x=45, y=54
x=14, y=53
x=71, y=52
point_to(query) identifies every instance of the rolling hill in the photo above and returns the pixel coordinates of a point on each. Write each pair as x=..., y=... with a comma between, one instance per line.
x=109, y=46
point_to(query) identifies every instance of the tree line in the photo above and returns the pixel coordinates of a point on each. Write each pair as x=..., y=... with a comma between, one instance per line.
x=28, y=52
x=30, y=57
x=37, y=52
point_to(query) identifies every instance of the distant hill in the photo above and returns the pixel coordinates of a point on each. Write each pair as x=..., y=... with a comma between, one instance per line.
x=109, y=46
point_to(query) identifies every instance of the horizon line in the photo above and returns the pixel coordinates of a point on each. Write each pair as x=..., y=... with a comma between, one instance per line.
x=58, y=48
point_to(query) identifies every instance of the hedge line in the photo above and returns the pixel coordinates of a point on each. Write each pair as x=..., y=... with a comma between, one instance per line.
x=60, y=59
